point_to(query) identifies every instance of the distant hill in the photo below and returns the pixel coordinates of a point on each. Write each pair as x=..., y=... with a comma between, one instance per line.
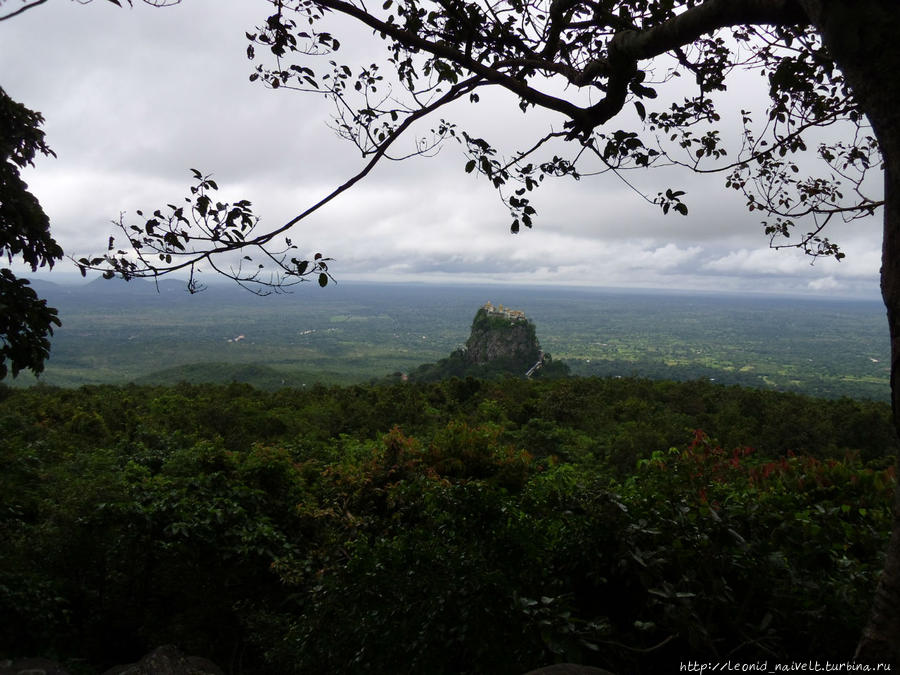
x=502, y=342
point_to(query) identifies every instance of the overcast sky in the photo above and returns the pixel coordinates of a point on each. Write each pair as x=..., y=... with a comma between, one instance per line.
x=133, y=98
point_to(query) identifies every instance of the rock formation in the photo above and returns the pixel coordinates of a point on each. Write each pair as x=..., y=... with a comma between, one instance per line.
x=502, y=343
x=500, y=334
x=568, y=669
x=165, y=660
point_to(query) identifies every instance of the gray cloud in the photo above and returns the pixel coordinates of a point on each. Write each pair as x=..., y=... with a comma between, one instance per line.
x=133, y=98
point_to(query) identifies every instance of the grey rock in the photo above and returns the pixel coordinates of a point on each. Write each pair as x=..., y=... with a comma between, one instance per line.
x=31, y=667
x=568, y=669
x=167, y=660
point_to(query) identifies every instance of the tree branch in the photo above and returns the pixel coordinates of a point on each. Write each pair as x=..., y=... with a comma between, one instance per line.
x=452, y=94
x=488, y=73
x=166, y=243
x=701, y=19
x=22, y=9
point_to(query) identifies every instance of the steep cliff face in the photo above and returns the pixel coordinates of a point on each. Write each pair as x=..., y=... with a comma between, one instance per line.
x=496, y=336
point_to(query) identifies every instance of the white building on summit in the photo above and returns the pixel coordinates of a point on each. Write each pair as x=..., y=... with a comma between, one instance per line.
x=500, y=310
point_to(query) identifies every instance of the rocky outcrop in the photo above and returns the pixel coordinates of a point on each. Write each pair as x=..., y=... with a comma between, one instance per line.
x=31, y=667
x=568, y=669
x=502, y=336
x=502, y=343
x=166, y=660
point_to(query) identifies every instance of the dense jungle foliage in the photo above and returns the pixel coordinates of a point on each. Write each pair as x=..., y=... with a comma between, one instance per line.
x=464, y=526
x=458, y=366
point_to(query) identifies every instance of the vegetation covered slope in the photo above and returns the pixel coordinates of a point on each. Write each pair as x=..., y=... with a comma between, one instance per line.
x=457, y=527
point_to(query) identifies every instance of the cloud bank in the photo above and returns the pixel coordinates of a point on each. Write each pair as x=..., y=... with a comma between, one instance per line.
x=134, y=98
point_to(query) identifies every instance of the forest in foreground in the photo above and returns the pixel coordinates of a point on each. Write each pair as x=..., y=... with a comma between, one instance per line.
x=462, y=526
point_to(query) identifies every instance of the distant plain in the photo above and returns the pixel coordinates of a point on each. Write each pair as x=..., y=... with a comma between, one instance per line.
x=117, y=333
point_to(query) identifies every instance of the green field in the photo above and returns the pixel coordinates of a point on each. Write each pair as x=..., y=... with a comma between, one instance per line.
x=117, y=333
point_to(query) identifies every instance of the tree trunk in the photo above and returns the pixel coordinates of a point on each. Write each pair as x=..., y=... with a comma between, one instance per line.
x=881, y=638
x=861, y=36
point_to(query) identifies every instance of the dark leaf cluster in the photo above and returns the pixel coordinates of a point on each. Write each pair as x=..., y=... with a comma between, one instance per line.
x=201, y=233
x=26, y=322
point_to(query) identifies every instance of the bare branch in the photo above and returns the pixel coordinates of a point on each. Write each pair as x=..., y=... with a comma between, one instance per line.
x=22, y=9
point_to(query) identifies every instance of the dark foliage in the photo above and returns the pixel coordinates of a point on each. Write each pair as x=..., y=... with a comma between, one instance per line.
x=464, y=526
x=25, y=320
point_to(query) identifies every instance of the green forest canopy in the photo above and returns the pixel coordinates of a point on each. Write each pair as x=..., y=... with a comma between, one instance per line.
x=457, y=527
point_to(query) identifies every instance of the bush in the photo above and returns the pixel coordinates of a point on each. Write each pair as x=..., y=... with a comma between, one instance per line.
x=490, y=539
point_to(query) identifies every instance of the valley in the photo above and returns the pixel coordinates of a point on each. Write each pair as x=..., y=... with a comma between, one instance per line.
x=115, y=333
